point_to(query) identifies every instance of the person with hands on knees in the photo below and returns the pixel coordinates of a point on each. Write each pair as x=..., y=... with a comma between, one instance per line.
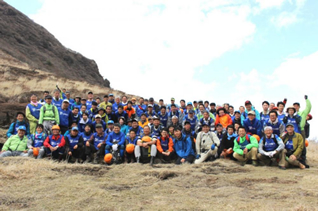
x=226, y=147
x=96, y=144
x=74, y=146
x=271, y=147
x=245, y=147
x=146, y=147
x=294, y=147
x=206, y=144
x=16, y=145
x=35, y=143
x=116, y=141
x=183, y=147
x=55, y=144
x=165, y=147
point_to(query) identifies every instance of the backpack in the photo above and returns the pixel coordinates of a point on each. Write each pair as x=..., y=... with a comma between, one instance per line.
x=247, y=137
x=53, y=109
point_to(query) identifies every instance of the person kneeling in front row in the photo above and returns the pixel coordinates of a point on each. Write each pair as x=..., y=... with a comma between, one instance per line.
x=271, y=147
x=206, y=144
x=245, y=147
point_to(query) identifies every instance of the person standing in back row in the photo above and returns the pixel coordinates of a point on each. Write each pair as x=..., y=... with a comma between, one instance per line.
x=32, y=112
x=49, y=115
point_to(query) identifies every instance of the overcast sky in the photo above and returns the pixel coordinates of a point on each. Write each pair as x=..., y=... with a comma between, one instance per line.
x=216, y=50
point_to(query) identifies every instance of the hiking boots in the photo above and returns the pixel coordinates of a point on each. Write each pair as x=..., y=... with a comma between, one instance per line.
x=151, y=160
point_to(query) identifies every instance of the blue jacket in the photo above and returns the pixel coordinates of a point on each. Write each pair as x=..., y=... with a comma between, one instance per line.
x=117, y=115
x=244, y=114
x=141, y=109
x=71, y=141
x=81, y=125
x=115, y=106
x=13, y=129
x=65, y=117
x=153, y=113
x=183, y=146
x=139, y=132
x=89, y=104
x=163, y=119
x=124, y=129
x=115, y=137
x=57, y=103
x=254, y=127
x=129, y=141
x=295, y=120
x=264, y=117
x=38, y=139
x=35, y=110
x=99, y=139
x=86, y=136
x=193, y=122
x=278, y=126
x=103, y=123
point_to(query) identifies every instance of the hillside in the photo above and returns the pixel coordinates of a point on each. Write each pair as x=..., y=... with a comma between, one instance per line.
x=30, y=43
x=33, y=60
x=31, y=184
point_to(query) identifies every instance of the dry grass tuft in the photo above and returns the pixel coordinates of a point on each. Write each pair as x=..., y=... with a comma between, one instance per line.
x=31, y=184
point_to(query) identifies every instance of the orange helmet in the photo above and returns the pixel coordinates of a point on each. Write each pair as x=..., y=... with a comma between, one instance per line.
x=306, y=143
x=56, y=127
x=146, y=139
x=257, y=137
x=130, y=148
x=35, y=152
x=108, y=158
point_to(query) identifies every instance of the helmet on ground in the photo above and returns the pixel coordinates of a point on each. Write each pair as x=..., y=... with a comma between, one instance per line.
x=56, y=127
x=146, y=139
x=130, y=148
x=35, y=152
x=108, y=158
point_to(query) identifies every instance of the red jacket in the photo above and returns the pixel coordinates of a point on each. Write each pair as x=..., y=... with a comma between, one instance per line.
x=47, y=141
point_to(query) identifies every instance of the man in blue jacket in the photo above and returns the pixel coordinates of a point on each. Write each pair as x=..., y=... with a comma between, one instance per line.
x=183, y=147
x=252, y=125
x=116, y=141
x=65, y=115
x=249, y=107
x=277, y=125
x=271, y=147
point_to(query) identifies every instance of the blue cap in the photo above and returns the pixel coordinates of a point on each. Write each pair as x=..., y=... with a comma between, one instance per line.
x=237, y=112
x=110, y=122
x=189, y=103
x=205, y=124
x=75, y=128
x=110, y=95
x=191, y=111
x=22, y=127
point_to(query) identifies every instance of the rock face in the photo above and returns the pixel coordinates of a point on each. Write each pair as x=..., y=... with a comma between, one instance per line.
x=30, y=43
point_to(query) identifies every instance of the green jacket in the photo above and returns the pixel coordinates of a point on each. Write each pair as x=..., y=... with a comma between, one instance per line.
x=304, y=114
x=200, y=116
x=237, y=147
x=49, y=114
x=14, y=143
x=298, y=143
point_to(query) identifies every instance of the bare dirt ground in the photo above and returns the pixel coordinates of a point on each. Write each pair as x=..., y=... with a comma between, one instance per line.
x=31, y=184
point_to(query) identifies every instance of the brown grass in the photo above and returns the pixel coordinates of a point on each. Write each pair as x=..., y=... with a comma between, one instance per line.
x=44, y=185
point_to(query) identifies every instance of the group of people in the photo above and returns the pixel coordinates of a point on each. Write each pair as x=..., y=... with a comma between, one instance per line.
x=118, y=129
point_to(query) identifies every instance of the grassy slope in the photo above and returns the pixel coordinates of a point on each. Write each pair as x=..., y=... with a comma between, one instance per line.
x=40, y=184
